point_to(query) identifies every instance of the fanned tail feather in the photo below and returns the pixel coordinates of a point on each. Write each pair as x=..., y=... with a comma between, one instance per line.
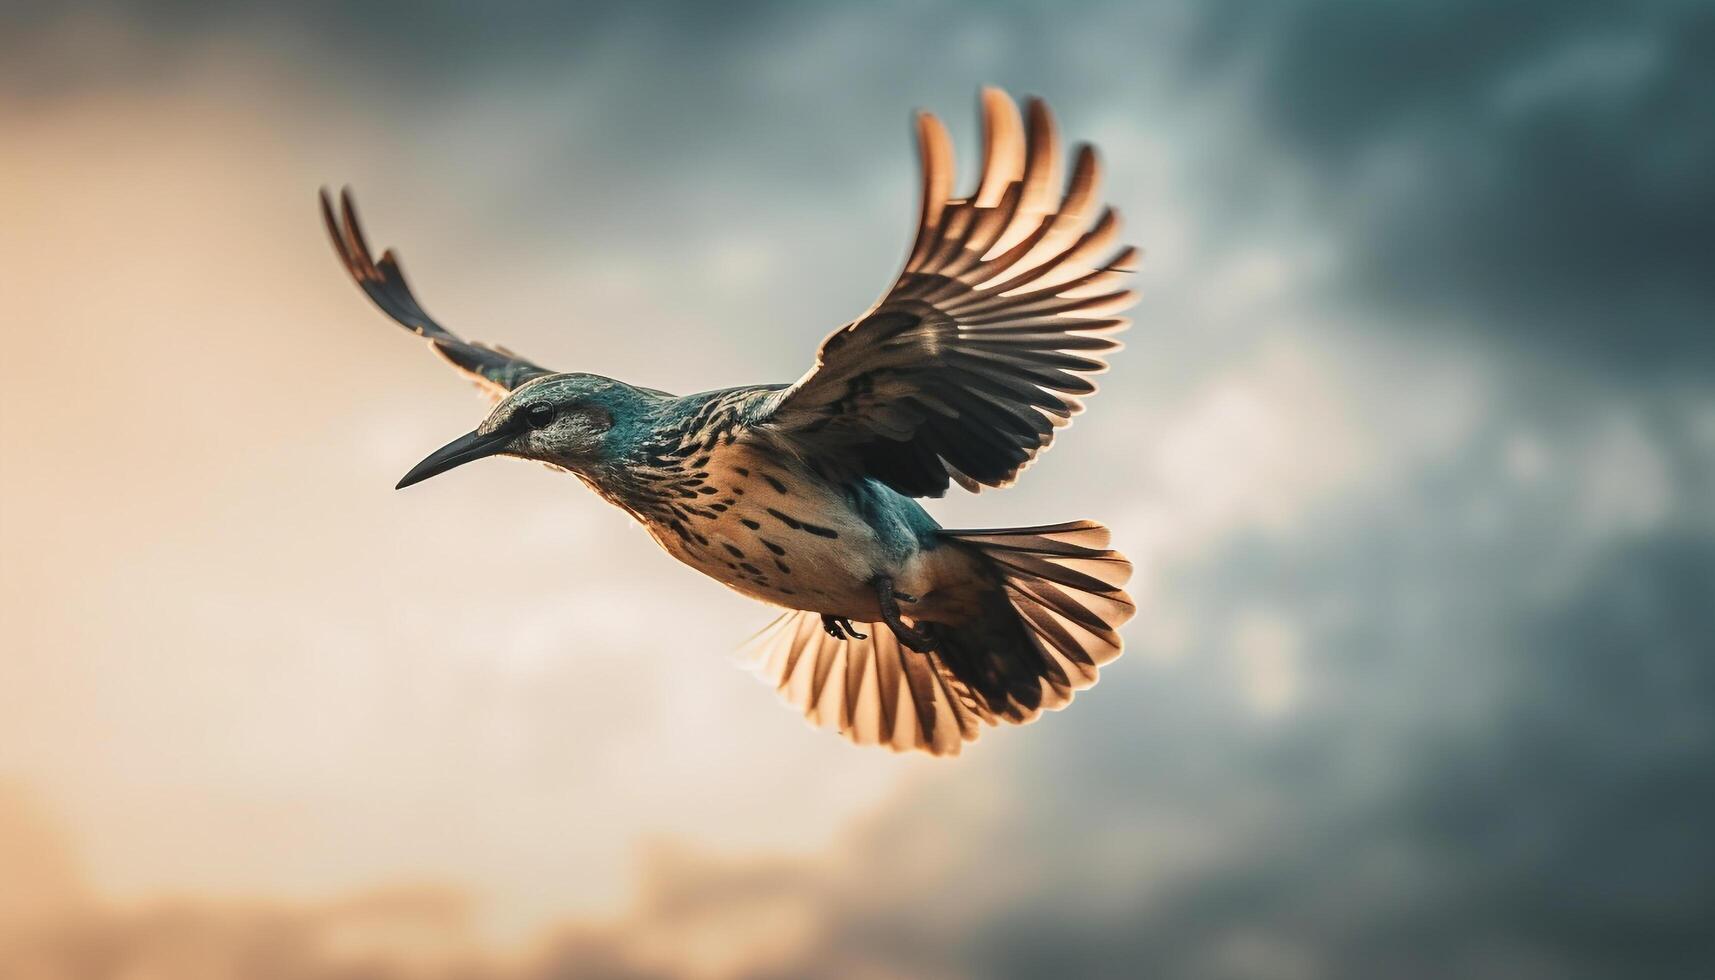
x=1049, y=623
x=873, y=691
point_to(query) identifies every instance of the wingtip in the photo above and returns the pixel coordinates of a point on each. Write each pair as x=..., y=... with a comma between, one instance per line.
x=1037, y=114
x=927, y=123
x=1003, y=146
x=1127, y=259
x=331, y=224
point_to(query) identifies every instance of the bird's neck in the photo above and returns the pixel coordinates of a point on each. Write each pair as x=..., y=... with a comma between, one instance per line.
x=658, y=474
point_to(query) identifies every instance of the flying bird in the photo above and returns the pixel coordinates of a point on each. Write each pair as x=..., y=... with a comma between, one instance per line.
x=897, y=631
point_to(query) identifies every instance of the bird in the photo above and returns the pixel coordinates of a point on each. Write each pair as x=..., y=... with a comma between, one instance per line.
x=896, y=631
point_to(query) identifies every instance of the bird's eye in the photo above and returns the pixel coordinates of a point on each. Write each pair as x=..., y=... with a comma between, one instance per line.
x=538, y=416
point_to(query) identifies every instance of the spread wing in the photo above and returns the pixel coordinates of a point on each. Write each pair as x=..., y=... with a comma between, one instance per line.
x=494, y=369
x=981, y=349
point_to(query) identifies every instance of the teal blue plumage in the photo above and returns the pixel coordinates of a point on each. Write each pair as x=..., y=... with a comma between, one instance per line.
x=897, y=632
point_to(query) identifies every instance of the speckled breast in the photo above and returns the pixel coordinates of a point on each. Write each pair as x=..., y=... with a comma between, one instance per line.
x=779, y=533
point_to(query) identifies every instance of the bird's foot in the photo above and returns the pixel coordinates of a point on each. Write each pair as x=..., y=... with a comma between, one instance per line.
x=841, y=628
x=889, y=601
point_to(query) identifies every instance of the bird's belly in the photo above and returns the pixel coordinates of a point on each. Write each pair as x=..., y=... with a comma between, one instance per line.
x=783, y=536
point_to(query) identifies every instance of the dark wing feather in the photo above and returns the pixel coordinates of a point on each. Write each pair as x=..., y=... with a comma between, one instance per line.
x=980, y=351
x=495, y=369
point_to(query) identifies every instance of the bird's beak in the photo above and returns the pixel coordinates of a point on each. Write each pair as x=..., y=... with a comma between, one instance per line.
x=471, y=445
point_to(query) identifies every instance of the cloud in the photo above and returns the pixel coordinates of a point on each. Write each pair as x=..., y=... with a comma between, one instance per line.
x=1537, y=173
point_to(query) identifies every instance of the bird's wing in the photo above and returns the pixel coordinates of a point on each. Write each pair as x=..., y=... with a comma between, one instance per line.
x=494, y=369
x=964, y=370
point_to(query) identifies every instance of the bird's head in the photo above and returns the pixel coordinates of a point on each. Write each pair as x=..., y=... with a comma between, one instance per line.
x=568, y=420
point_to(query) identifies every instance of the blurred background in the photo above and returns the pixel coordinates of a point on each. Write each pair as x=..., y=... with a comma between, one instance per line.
x=1413, y=444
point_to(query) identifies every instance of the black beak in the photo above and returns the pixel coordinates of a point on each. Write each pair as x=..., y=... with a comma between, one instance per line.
x=472, y=445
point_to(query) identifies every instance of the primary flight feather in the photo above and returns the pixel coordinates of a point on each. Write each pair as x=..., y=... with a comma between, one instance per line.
x=898, y=632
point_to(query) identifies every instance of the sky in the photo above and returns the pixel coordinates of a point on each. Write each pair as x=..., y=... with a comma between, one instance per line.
x=1413, y=445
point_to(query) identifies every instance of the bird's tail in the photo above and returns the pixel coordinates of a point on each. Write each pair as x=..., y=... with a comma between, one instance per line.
x=1047, y=622
x=1049, y=626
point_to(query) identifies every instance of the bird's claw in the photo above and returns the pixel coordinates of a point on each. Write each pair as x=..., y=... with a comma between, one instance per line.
x=889, y=600
x=915, y=639
x=841, y=628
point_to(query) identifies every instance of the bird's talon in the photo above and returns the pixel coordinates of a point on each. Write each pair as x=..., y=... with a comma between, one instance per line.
x=905, y=597
x=914, y=638
x=841, y=628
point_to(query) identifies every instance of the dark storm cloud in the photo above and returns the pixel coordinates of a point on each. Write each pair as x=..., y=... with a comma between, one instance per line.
x=435, y=48
x=654, y=127
x=430, y=38
x=1531, y=843
x=1538, y=170
x=407, y=52
x=1553, y=830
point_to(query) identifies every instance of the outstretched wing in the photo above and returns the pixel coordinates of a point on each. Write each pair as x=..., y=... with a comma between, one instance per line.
x=495, y=369
x=980, y=351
